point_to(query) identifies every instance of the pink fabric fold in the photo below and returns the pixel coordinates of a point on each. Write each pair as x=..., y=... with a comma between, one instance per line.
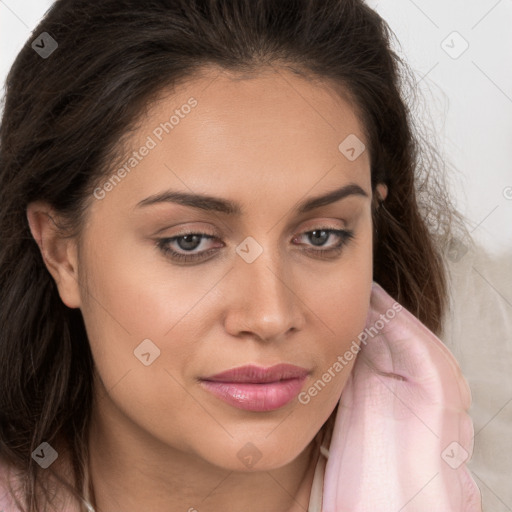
x=403, y=435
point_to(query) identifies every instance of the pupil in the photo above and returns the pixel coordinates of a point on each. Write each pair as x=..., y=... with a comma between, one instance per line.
x=322, y=237
x=189, y=237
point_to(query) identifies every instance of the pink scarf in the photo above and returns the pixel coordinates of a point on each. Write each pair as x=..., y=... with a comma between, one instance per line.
x=402, y=436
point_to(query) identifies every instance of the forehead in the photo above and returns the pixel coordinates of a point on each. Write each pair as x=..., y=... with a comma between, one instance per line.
x=222, y=132
x=265, y=103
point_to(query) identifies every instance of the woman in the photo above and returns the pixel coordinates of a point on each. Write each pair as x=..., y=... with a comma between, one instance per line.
x=219, y=290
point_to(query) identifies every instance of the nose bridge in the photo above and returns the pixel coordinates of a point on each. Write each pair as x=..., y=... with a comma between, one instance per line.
x=266, y=304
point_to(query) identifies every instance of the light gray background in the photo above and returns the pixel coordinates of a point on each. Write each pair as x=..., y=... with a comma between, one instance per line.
x=469, y=99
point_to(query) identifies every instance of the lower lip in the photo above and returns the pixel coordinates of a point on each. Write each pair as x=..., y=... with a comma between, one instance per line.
x=256, y=397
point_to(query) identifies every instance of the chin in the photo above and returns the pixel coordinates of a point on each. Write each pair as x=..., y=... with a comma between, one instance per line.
x=261, y=454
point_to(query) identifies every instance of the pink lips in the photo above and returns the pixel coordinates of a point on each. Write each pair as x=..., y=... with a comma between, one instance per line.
x=257, y=389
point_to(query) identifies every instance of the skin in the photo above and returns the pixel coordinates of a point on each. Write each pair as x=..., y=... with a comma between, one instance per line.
x=158, y=440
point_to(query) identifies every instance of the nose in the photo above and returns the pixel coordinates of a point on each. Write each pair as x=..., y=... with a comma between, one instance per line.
x=263, y=299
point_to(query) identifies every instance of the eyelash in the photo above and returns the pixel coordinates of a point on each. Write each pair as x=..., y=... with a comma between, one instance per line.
x=163, y=245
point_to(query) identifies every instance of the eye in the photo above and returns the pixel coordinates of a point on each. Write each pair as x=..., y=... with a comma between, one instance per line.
x=188, y=242
x=321, y=235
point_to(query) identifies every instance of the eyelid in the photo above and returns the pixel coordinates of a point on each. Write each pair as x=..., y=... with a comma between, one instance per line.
x=310, y=225
x=208, y=230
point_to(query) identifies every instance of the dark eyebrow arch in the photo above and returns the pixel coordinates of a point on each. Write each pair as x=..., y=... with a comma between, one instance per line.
x=210, y=203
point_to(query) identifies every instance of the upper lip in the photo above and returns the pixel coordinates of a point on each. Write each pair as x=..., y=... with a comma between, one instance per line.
x=258, y=374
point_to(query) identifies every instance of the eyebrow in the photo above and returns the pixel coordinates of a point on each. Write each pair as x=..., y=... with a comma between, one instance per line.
x=228, y=207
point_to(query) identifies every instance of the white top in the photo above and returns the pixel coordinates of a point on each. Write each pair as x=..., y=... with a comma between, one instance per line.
x=317, y=488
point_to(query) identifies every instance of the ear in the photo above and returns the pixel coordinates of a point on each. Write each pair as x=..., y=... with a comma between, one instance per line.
x=382, y=191
x=59, y=253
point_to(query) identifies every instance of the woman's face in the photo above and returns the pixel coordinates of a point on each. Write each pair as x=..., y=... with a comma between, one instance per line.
x=257, y=288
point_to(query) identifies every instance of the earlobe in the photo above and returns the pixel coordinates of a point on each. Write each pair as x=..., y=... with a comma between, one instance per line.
x=382, y=191
x=59, y=253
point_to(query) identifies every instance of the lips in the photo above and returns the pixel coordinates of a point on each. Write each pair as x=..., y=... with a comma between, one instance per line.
x=258, y=389
x=258, y=375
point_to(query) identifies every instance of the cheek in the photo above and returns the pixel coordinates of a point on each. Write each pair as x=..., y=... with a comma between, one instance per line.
x=126, y=304
x=131, y=293
x=341, y=302
x=130, y=285
x=342, y=296
x=120, y=304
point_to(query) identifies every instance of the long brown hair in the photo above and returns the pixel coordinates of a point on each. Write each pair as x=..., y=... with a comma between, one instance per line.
x=62, y=129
